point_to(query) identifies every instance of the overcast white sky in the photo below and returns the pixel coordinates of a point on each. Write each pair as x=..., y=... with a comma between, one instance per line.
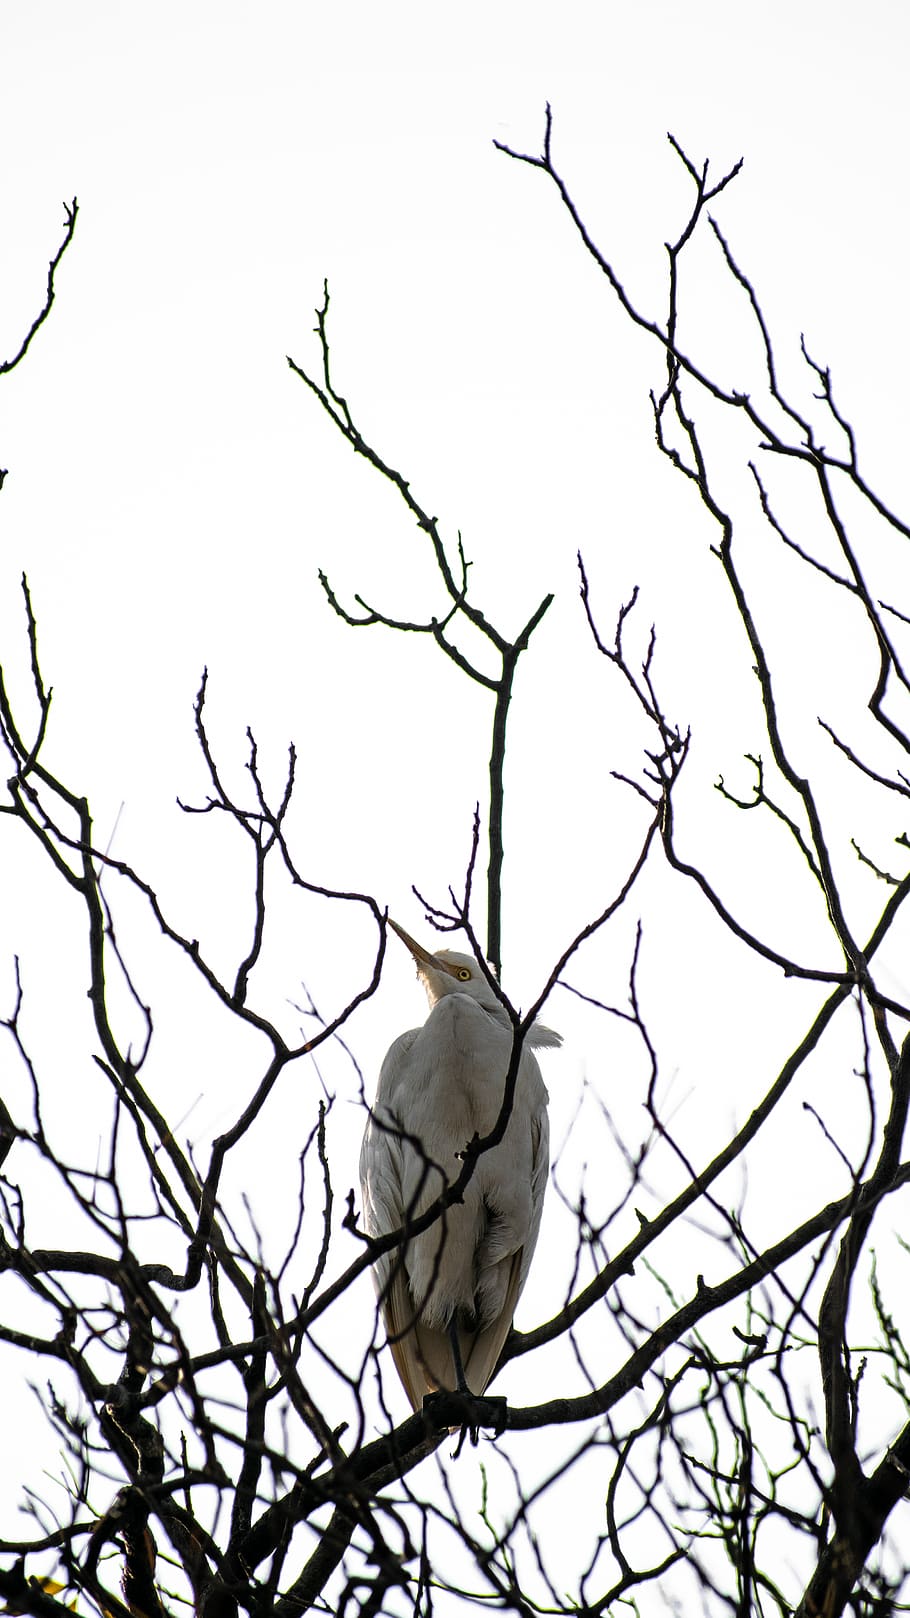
x=173, y=489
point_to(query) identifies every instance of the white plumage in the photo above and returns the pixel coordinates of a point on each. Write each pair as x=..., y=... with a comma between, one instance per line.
x=439, y=1086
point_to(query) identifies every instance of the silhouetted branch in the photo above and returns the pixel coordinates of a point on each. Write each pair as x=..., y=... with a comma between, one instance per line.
x=70, y=210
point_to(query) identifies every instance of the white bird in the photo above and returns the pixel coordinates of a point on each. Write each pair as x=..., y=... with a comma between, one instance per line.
x=448, y=1294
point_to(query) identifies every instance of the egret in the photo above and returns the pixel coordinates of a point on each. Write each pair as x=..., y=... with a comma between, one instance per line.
x=448, y=1294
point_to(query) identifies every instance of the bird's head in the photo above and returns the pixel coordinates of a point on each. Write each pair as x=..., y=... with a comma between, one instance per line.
x=449, y=972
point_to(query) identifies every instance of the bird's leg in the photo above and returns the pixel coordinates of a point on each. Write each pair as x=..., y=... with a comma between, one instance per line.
x=495, y=1409
x=461, y=1396
x=461, y=1384
x=463, y=1389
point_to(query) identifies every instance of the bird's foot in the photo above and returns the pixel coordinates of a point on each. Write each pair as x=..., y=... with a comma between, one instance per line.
x=465, y=1431
x=495, y=1413
x=460, y=1408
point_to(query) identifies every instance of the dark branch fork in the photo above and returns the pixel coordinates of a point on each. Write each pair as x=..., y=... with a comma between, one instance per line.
x=455, y=586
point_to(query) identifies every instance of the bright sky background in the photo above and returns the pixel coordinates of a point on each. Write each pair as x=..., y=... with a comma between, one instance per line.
x=173, y=488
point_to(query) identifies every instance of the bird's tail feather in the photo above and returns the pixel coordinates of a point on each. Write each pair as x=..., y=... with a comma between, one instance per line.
x=423, y=1354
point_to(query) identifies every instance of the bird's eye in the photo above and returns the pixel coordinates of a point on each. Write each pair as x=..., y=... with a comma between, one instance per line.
x=464, y=974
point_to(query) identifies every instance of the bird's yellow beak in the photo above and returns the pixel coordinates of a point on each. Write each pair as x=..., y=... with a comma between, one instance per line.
x=422, y=956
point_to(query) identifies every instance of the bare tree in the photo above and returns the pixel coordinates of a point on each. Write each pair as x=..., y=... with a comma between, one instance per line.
x=222, y=1404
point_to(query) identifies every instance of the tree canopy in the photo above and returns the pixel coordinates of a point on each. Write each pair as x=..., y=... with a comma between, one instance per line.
x=714, y=1409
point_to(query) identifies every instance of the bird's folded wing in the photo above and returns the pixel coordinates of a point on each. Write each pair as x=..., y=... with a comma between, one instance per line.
x=540, y=1173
